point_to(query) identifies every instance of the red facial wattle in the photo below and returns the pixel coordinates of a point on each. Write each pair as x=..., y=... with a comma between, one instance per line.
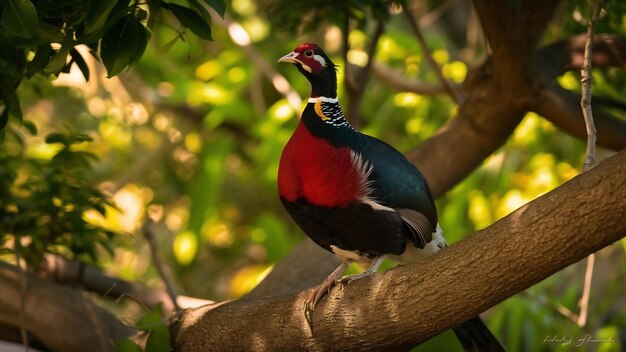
x=305, y=55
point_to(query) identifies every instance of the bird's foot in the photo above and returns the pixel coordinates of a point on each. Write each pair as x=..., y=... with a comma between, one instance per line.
x=315, y=295
x=367, y=273
x=346, y=280
x=320, y=291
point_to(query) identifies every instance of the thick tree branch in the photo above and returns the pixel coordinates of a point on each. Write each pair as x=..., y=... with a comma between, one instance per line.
x=513, y=32
x=52, y=313
x=567, y=55
x=561, y=107
x=407, y=305
x=69, y=272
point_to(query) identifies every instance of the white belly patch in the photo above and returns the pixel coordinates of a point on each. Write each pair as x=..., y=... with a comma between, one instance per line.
x=351, y=256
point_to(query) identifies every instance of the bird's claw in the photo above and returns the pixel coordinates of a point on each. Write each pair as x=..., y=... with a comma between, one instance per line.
x=344, y=281
x=308, y=314
x=314, y=297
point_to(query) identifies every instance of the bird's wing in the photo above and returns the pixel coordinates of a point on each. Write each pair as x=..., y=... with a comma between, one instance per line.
x=419, y=226
x=396, y=183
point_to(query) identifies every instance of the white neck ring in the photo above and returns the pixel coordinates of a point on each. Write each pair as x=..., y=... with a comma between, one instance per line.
x=323, y=100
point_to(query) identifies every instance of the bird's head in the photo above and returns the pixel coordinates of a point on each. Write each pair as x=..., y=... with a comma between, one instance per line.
x=317, y=67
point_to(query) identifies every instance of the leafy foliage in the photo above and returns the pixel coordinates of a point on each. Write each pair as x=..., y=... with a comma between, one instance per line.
x=153, y=324
x=42, y=202
x=40, y=37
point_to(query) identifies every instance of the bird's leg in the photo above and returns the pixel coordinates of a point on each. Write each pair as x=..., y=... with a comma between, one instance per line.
x=372, y=269
x=323, y=289
x=320, y=291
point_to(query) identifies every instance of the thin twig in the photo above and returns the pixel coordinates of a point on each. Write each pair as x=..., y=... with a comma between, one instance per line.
x=455, y=94
x=590, y=153
x=584, y=300
x=435, y=14
x=159, y=263
x=585, y=78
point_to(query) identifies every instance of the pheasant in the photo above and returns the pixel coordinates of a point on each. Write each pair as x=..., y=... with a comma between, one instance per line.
x=355, y=195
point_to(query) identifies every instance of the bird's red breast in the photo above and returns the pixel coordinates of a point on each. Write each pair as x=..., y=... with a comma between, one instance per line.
x=314, y=169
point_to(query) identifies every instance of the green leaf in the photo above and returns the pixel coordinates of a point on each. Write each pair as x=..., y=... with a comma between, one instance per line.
x=123, y=44
x=218, y=5
x=120, y=10
x=20, y=18
x=202, y=11
x=30, y=126
x=80, y=62
x=191, y=19
x=57, y=61
x=11, y=101
x=12, y=62
x=57, y=138
x=169, y=44
x=159, y=340
x=47, y=33
x=40, y=61
x=126, y=346
x=150, y=320
x=80, y=138
x=97, y=14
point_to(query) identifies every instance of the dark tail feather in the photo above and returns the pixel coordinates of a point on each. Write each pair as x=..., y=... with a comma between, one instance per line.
x=476, y=337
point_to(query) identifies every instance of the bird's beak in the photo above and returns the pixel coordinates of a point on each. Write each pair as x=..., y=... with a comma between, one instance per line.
x=290, y=58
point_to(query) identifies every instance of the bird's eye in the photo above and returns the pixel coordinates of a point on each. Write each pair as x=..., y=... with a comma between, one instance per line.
x=308, y=53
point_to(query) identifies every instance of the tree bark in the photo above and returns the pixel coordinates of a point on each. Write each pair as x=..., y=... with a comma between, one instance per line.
x=52, y=312
x=91, y=279
x=405, y=306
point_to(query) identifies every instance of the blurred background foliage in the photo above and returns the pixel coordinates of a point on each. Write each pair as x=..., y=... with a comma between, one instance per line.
x=191, y=137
